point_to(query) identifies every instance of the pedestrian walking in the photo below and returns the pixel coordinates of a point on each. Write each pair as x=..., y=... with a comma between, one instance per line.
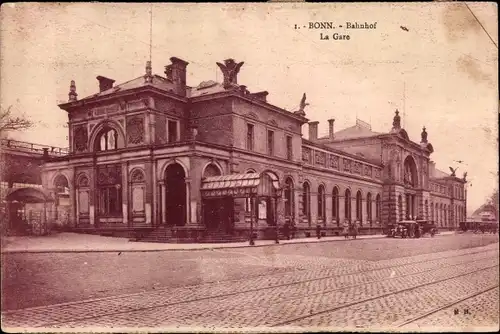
x=294, y=229
x=318, y=231
x=286, y=230
x=345, y=229
x=355, y=229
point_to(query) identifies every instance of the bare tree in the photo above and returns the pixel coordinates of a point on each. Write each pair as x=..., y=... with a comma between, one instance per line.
x=9, y=122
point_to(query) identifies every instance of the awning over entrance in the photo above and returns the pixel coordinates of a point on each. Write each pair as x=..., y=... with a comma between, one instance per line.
x=239, y=185
x=28, y=195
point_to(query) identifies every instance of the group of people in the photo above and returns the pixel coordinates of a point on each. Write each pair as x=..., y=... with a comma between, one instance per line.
x=289, y=230
x=350, y=229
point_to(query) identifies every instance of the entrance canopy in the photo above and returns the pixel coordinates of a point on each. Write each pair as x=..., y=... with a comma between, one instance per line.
x=240, y=185
x=28, y=195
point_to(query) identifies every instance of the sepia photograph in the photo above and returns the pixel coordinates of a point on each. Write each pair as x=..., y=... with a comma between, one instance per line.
x=249, y=167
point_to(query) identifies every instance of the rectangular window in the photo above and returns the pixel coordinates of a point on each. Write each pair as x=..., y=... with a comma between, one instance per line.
x=270, y=142
x=172, y=131
x=250, y=137
x=110, y=201
x=289, y=150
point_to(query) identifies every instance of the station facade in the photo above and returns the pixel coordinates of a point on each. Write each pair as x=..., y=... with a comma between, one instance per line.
x=153, y=152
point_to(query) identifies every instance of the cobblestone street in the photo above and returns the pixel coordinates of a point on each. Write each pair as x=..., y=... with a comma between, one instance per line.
x=445, y=282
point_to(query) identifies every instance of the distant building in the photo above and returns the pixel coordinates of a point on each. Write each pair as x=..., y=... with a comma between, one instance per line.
x=155, y=153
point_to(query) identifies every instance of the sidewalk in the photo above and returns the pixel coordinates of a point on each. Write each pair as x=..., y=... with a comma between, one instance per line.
x=74, y=243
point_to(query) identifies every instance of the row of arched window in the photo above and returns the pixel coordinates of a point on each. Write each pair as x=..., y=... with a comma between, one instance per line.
x=335, y=198
x=440, y=213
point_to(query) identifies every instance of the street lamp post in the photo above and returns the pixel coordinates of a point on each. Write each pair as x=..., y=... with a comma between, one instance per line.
x=279, y=193
x=252, y=213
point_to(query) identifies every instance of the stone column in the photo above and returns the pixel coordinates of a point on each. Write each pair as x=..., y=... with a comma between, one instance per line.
x=163, y=194
x=125, y=192
x=341, y=208
x=314, y=207
x=188, y=201
x=92, y=195
x=148, y=169
x=72, y=198
x=328, y=210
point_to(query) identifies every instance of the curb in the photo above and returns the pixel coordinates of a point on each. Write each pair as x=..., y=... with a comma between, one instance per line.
x=172, y=249
x=181, y=249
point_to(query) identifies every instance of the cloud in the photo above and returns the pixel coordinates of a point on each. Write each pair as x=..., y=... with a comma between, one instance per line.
x=471, y=67
x=458, y=21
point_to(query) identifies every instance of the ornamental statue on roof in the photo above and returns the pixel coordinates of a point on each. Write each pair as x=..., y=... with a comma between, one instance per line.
x=148, y=77
x=396, y=123
x=230, y=70
x=302, y=106
x=72, y=91
x=424, y=135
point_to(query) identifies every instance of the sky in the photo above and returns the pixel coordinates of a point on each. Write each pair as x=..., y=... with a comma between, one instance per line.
x=441, y=72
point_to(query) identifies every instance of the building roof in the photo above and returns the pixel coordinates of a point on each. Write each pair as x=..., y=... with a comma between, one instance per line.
x=355, y=131
x=206, y=88
x=438, y=174
x=158, y=82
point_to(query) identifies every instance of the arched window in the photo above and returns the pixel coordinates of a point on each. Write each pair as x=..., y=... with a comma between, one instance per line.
x=306, y=202
x=321, y=203
x=61, y=185
x=369, y=207
x=138, y=192
x=378, y=207
x=359, y=207
x=410, y=172
x=107, y=140
x=347, y=204
x=335, y=205
x=211, y=170
x=83, y=191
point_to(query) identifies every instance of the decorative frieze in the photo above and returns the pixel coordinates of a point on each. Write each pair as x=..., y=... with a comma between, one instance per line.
x=334, y=161
x=306, y=154
x=106, y=110
x=368, y=171
x=357, y=167
x=320, y=158
x=135, y=130
x=80, y=138
x=109, y=174
x=347, y=165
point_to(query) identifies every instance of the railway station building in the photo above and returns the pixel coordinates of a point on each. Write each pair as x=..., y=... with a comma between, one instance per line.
x=153, y=156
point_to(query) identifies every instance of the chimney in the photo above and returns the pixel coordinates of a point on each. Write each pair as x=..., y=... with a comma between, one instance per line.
x=178, y=75
x=262, y=96
x=105, y=83
x=313, y=130
x=330, y=127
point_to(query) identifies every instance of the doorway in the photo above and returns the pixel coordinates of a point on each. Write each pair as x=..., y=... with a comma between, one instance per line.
x=175, y=195
x=218, y=213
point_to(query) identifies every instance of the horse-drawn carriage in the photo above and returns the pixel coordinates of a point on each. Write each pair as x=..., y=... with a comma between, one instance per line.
x=412, y=229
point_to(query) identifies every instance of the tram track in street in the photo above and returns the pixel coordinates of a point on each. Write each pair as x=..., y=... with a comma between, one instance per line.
x=159, y=290
x=446, y=306
x=344, y=306
x=218, y=296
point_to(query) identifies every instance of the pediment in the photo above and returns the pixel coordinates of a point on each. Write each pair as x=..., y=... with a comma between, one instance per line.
x=252, y=115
